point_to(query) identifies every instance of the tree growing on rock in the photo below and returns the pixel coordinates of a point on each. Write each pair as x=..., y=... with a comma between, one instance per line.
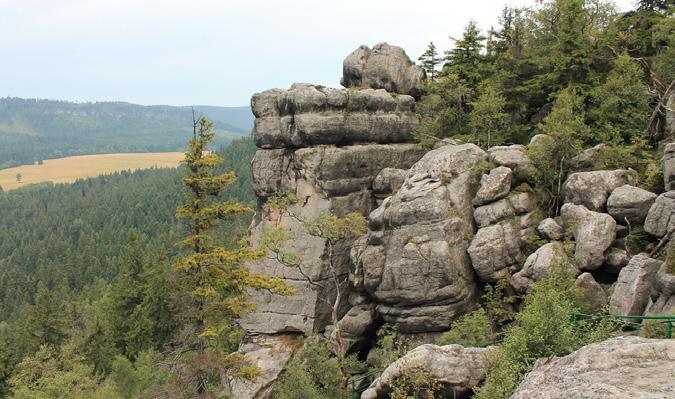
x=213, y=283
x=333, y=230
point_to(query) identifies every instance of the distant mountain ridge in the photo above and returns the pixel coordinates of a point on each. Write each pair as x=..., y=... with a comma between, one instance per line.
x=33, y=129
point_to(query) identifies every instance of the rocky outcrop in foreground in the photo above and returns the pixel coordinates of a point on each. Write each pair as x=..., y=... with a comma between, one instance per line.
x=621, y=368
x=456, y=368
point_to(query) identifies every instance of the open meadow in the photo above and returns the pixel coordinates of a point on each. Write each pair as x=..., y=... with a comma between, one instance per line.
x=69, y=169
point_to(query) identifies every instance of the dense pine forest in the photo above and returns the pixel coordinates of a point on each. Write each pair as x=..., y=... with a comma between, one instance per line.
x=99, y=299
x=33, y=130
x=69, y=251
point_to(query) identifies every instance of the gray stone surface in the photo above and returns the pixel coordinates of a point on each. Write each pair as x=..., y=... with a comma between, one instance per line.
x=388, y=181
x=669, y=162
x=593, y=233
x=661, y=216
x=620, y=368
x=630, y=203
x=494, y=186
x=591, y=189
x=492, y=213
x=356, y=325
x=539, y=264
x=635, y=285
x=513, y=157
x=586, y=159
x=382, y=67
x=455, y=368
x=413, y=261
x=594, y=296
x=307, y=115
x=550, y=229
x=616, y=259
x=495, y=250
x=270, y=354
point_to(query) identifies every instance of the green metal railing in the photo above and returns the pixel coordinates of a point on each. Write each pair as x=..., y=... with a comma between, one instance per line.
x=355, y=383
x=629, y=321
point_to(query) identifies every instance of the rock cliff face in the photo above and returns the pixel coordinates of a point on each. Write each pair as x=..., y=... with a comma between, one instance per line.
x=325, y=147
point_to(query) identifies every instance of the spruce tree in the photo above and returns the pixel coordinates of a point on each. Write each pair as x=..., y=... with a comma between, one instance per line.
x=213, y=283
x=465, y=59
x=430, y=60
x=487, y=118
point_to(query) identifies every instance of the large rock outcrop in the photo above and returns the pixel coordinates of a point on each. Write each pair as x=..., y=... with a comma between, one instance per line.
x=593, y=232
x=455, y=368
x=382, y=67
x=661, y=216
x=323, y=147
x=620, y=368
x=413, y=261
x=591, y=189
x=635, y=286
x=540, y=264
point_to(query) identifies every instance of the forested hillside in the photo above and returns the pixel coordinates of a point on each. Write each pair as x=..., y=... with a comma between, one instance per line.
x=33, y=130
x=68, y=243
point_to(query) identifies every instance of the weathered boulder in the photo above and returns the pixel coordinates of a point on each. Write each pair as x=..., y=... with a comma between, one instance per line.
x=550, y=229
x=456, y=368
x=591, y=189
x=594, y=296
x=387, y=182
x=270, y=354
x=382, y=67
x=620, y=368
x=630, y=203
x=616, y=259
x=593, y=233
x=539, y=264
x=494, y=186
x=514, y=158
x=635, y=286
x=492, y=213
x=307, y=115
x=418, y=238
x=495, y=250
x=661, y=216
x=669, y=162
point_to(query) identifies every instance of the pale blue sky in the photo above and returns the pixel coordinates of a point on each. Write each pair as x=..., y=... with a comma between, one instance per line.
x=215, y=52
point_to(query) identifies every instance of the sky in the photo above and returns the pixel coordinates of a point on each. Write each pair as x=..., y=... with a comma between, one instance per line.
x=209, y=52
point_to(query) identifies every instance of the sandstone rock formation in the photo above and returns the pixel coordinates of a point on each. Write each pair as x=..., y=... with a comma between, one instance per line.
x=539, y=265
x=413, y=261
x=630, y=203
x=593, y=294
x=456, y=368
x=593, y=232
x=635, y=286
x=494, y=186
x=669, y=161
x=550, y=229
x=591, y=189
x=661, y=216
x=514, y=158
x=620, y=368
x=382, y=67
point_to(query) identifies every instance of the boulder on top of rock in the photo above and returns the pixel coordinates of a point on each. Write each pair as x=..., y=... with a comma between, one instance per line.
x=455, y=368
x=630, y=203
x=513, y=157
x=661, y=216
x=593, y=233
x=356, y=324
x=539, y=265
x=382, y=67
x=635, y=285
x=591, y=189
x=495, y=250
x=586, y=159
x=494, y=186
x=550, y=229
x=619, y=368
x=616, y=259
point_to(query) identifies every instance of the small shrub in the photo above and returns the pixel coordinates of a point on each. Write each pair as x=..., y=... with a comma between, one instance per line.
x=497, y=302
x=416, y=384
x=654, y=329
x=473, y=329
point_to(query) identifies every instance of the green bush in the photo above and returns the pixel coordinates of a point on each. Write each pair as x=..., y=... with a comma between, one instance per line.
x=543, y=329
x=416, y=384
x=473, y=329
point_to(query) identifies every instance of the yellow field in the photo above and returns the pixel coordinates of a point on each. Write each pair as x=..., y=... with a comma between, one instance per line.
x=69, y=169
